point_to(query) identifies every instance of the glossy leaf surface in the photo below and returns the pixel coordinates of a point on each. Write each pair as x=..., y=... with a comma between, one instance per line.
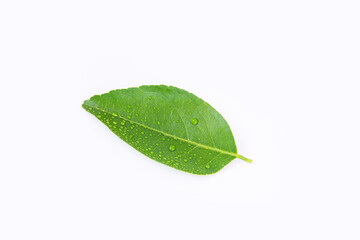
x=169, y=125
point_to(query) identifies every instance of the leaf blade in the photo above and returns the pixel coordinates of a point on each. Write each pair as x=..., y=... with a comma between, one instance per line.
x=166, y=116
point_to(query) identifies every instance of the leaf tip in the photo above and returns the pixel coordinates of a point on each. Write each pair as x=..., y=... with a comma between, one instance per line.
x=83, y=105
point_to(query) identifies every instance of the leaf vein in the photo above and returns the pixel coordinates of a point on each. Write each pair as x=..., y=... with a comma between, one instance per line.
x=169, y=135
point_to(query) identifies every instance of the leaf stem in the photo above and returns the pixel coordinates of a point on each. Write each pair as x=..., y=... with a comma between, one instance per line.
x=244, y=158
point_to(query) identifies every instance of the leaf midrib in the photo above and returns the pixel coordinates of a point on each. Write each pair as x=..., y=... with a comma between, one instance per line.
x=167, y=134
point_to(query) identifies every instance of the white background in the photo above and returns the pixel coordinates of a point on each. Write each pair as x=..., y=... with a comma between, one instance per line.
x=284, y=74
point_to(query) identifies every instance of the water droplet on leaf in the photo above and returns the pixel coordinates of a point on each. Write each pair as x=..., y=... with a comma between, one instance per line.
x=172, y=148
x=194, y=121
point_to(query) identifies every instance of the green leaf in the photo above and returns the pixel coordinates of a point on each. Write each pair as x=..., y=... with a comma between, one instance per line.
x=169, y=125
